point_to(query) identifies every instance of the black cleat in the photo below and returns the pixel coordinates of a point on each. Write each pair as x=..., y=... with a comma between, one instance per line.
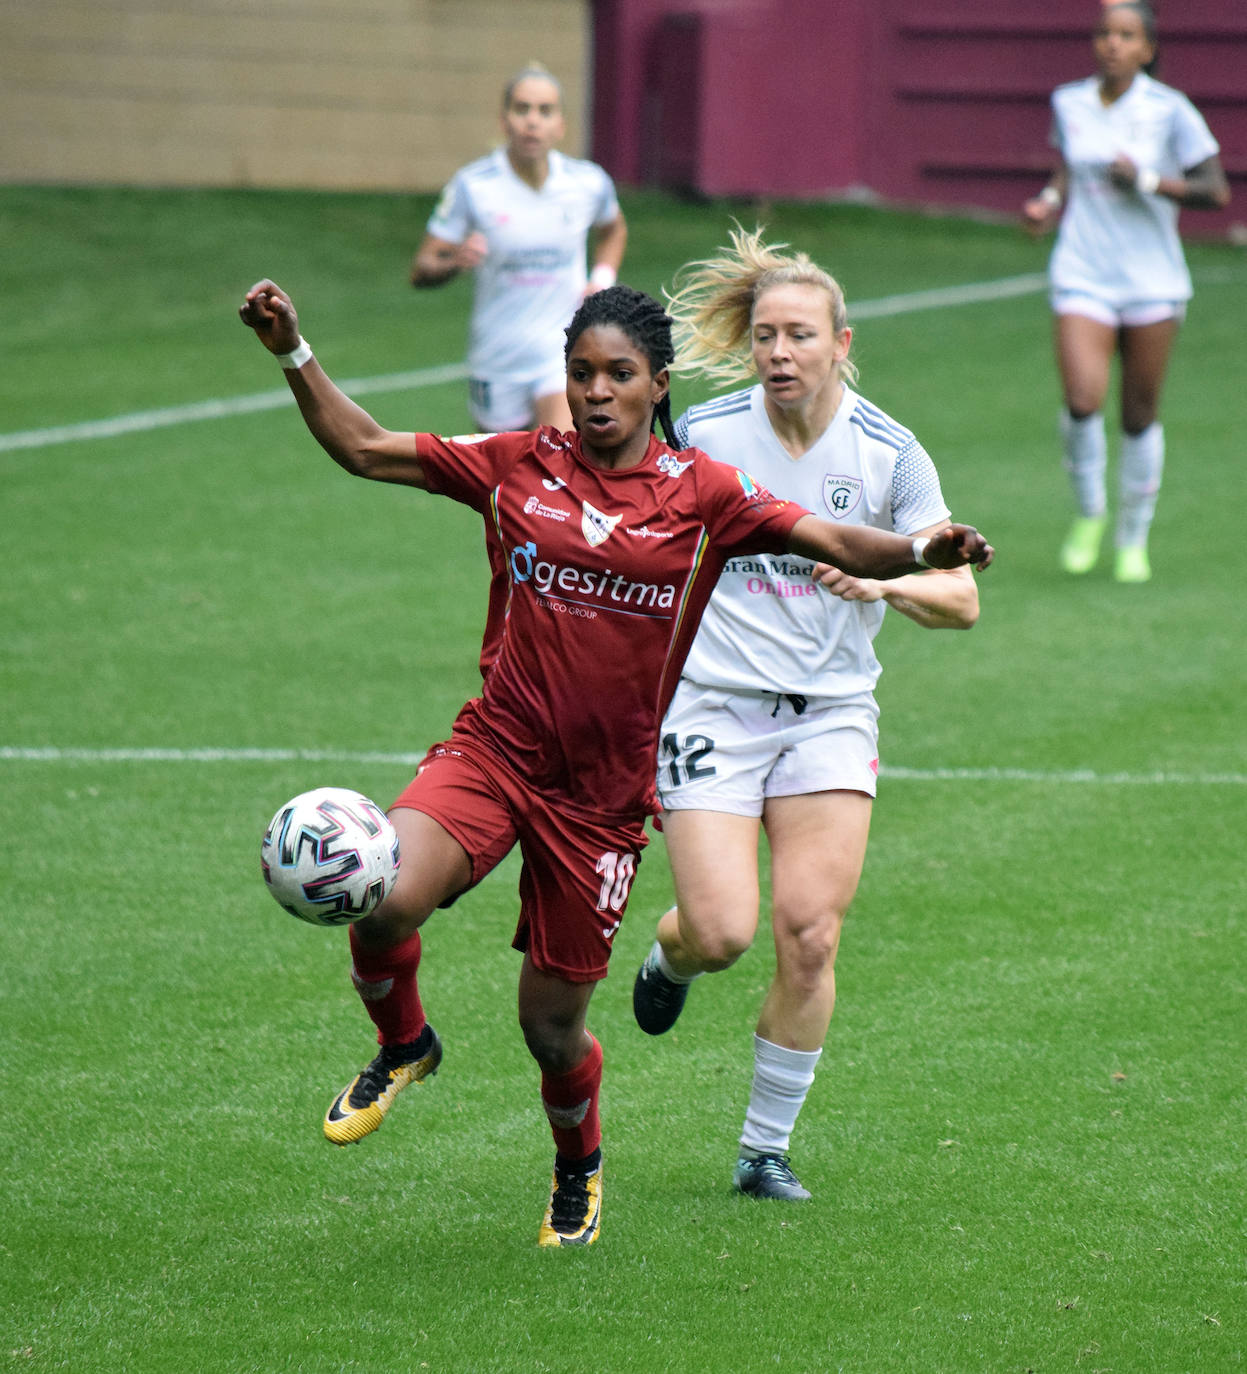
x=657, y=1001
x=769, y=1176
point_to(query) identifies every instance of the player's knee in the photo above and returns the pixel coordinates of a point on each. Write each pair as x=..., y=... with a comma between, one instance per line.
x=717, y=948
x=390, y=924
x=557, y=1046
x=1083, y=403
x=1138, y=416
x=807, y=949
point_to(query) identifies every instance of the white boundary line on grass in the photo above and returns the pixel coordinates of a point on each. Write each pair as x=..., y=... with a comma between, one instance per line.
x=227, y=406
x=53, y=754
x=224, y=408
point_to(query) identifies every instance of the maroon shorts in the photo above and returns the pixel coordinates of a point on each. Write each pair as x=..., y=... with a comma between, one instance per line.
x=577, y=868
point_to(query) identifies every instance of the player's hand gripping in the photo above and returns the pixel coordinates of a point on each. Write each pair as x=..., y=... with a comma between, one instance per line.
x=957, y=545
x=845, y=585
x=270, y=312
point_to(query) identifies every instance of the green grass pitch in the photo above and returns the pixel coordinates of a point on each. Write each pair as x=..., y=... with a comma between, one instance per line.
x=1026, y=1139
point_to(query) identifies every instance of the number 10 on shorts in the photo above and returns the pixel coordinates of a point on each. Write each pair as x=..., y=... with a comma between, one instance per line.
x=617, y=872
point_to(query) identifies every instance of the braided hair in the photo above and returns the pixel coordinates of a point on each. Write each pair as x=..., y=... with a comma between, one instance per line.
x=646, y=324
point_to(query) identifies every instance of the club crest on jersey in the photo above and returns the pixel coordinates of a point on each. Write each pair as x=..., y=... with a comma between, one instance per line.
x=596, y=525
x=841, y=495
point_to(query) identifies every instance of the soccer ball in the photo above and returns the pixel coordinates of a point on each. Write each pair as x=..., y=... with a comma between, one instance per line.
x=329, y=856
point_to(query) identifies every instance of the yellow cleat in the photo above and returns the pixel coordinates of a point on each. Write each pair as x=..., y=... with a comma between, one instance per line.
x=1081, y=550
x=361, y=1106
x=575, y=1209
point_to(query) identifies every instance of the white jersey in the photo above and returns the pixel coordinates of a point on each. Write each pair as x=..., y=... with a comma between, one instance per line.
x=768, y=627
x=1123, y=246
x=532, y=279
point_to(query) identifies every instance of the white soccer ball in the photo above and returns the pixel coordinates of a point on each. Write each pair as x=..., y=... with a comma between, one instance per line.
x=329, y=856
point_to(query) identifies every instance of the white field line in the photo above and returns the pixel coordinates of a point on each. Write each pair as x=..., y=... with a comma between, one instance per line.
x=943, y=296
x=53, y=754
x=224, y=408
x=227, y=406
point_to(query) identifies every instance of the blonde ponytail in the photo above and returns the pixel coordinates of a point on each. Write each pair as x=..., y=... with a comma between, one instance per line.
x=712, y=304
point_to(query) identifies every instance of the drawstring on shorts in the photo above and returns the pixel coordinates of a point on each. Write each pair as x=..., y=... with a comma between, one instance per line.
x=794, y=699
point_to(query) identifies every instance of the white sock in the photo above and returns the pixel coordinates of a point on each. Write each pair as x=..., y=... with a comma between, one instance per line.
x=1086, y=457
x=665, y=968
x=781, y=1079
x=1142, y=463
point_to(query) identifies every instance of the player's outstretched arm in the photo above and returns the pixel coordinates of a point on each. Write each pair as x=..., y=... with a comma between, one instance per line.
x=347, y=433
x=868, y=552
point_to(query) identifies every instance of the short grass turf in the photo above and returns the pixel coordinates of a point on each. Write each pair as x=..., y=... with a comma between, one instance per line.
x=1025, y=1139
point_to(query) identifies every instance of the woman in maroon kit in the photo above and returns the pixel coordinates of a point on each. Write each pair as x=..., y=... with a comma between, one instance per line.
x=611, y=544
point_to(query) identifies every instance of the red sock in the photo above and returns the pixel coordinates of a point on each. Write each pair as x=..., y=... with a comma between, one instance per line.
x=386, y=982
x=571, y=1103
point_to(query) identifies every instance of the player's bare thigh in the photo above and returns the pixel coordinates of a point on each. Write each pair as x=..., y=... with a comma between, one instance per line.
x=433, y=867
x=818, y=847
x=1084, y=352
x=1145, y=352
x=714, y=863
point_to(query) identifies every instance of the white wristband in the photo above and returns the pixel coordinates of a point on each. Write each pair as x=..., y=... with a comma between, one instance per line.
x=602, y=276
x=920, y=548
x=1050, y=195
x=295, y=359
x=1146, y=180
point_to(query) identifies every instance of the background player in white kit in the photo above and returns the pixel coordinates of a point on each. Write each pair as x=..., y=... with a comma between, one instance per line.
x=774, y=720
x=521, y=218
x=1132, y=152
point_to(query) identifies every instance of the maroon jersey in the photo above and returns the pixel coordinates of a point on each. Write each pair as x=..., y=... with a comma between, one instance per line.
x=606, y=577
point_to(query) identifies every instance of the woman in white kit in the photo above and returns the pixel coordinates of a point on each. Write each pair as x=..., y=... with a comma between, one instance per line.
x=1133, y=151
x=521, y=218
x=773, y=725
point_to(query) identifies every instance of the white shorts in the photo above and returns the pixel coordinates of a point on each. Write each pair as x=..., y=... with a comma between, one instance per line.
x=500, y=404
x=730, y=751
x=1129, y=316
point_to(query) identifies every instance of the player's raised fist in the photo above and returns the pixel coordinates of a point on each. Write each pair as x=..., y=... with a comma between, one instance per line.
x=270, y=312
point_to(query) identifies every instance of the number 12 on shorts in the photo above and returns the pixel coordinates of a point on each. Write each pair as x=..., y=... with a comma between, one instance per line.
x=683, y=760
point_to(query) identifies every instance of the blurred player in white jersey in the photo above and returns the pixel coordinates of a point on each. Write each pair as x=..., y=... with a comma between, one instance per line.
x=773, y=724
x=1133, y=151
x=522, y=218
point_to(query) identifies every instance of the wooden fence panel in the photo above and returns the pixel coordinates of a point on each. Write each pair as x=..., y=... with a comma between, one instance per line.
x=377, y=94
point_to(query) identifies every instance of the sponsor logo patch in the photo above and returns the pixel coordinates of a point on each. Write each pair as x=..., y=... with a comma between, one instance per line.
x=672, y=465
x=535, y=506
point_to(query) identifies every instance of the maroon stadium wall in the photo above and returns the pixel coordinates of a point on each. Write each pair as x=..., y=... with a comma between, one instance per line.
x=939, y=102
